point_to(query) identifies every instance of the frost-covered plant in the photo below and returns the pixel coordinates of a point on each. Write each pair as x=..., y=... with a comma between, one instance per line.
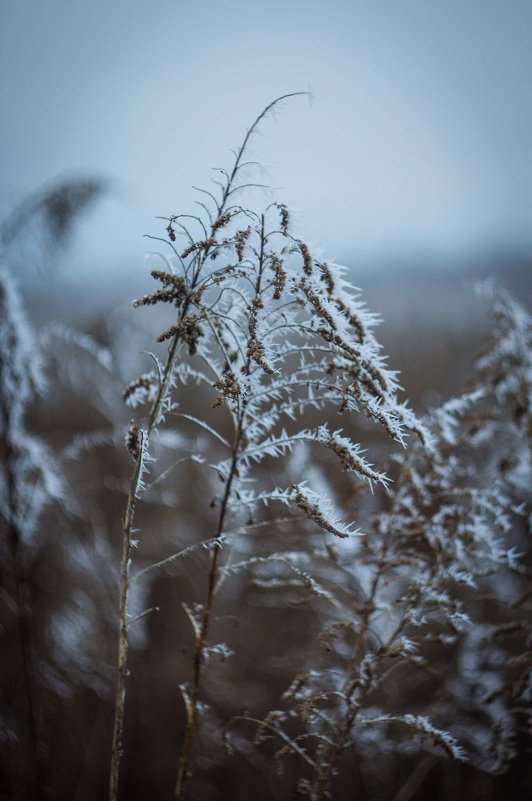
x=272, y=332
x=42, y=662
x=54, y=614
x=28, y=467
x=494, y=673
x=433, y=592
x=29, y=481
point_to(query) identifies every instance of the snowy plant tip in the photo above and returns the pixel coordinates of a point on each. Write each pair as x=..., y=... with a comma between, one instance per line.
x=422, y=725
x=320, y=511
x=250, y=328
x=30, y=478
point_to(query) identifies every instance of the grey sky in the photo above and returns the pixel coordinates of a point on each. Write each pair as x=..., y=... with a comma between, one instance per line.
x=418, y=138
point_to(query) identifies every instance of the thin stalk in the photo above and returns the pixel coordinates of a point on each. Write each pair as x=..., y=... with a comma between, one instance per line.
x=323, y=780
x=186, y=752
x=153, y=420
x=116, y=751
x=120, y=693
x=238, y=160
x=192, y=711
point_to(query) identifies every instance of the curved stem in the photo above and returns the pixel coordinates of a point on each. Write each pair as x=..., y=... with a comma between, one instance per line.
x=120, y=693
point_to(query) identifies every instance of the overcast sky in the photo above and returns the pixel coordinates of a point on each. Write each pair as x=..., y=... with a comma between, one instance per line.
x=417, y=141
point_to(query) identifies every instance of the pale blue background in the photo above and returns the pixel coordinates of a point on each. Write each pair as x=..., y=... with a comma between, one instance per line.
x=417, y=144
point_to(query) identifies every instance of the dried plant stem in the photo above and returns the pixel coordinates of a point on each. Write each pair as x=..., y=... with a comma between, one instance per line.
x=163, y=388
x=120, y=698
x=120, y=694
x=230, y=189
x=201, y=254
x=153, y=420
x=184, y=760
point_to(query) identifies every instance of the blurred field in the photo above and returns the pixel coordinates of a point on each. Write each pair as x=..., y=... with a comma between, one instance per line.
x=433, y=326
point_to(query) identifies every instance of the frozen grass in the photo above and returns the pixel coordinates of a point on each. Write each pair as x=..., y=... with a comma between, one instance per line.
x=254, y=507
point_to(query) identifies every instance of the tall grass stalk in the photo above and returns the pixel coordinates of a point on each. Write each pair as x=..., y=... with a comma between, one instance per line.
x=139, y=450
x=278, y=332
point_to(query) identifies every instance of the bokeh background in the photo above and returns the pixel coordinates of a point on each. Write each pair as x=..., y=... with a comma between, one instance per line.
x=414, y=150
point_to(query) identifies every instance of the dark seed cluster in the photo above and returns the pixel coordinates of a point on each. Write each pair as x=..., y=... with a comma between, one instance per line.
x=307, y=258
x=255, y=348
x=279, y=279
x=173, y=291
x=241, y=237
x=202, y=244
x=228, y=387
x=133, y=441
x=188, y=330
